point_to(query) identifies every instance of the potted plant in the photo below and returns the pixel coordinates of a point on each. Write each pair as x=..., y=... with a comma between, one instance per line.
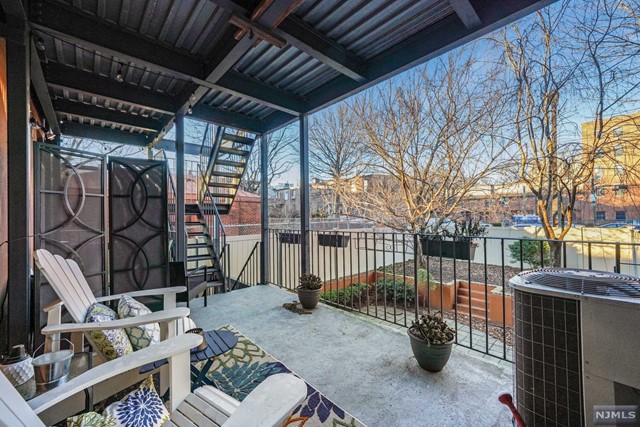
x=334, y=240
x=289, y=237
x=309, y=290
x=460, y=244
x=431, y=341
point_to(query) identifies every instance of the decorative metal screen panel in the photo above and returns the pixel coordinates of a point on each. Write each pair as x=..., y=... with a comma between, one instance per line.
x=70, y=216
x=138, y=224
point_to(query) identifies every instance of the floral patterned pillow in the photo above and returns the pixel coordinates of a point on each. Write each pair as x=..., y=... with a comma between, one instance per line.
x=140, y=336
x=140, y=408
x=113, y=343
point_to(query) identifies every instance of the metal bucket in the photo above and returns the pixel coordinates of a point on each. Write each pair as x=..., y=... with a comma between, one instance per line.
x=52, y=369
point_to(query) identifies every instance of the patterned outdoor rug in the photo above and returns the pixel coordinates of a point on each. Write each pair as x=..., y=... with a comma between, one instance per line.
x=239, y=371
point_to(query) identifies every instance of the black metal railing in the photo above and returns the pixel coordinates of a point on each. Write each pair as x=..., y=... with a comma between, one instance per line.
x=212, y=219
x=171, y=206
x=250, y=272
x=465, y=278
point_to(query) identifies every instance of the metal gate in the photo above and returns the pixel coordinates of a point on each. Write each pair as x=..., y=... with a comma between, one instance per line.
x=70, y=217
x=138, y=224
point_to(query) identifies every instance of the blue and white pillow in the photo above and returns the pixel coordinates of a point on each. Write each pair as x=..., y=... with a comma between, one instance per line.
x=140, y=336
x=140, y=408
x=112, y=343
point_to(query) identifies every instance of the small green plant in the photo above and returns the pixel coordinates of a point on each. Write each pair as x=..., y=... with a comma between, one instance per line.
x=465, y=230
x=310, y=282
x=531, y=252
x=355, y=292
x=390, y=289
x=425, y=278
x=432, y=329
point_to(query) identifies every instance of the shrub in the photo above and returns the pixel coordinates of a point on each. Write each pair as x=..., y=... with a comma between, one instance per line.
x=432, y=329
x=310, y=282
x=389, y=288
x=356, y=292
x=530, y=252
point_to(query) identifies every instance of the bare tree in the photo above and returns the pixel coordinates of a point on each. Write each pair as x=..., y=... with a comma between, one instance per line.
x=102, y=147
x=280, y=158
x=431, y=138
x=335, y=152
x=563, y=58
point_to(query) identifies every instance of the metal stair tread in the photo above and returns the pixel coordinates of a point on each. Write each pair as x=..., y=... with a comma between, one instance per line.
x=194, y=258
x=224, y=162
x=222, y=185
x=226, y=174
x=234, y=151
x=237, y=138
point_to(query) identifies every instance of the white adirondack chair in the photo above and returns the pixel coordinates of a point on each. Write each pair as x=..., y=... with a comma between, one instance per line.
x=67, y=280
x=267, y=406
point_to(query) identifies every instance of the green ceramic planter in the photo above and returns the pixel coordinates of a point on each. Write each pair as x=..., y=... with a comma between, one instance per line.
x=309, y=298
x=431, y=358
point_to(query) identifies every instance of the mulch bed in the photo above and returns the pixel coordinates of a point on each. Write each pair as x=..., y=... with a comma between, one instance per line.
x=494, y=272
x=478, y=324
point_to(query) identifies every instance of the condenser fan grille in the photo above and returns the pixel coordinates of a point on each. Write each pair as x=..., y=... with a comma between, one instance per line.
x=587, y=282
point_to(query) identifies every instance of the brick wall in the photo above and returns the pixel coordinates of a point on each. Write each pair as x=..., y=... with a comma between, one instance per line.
x=244, y=211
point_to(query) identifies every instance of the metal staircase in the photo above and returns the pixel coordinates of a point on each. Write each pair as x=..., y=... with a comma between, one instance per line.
x=227, y=156
x=223, y=160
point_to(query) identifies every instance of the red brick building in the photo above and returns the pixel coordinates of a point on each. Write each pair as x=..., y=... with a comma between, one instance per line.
x=244, y=215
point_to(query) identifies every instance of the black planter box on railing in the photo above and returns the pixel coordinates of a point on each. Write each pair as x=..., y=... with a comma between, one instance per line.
x=292, y=238
x=333, y=240
x=464, y=249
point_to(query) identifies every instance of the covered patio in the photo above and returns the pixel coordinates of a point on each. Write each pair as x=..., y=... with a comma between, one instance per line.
x=132, y=72
x=363, y=363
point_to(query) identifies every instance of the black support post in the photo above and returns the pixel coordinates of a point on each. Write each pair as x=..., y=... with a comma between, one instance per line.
x=264, y=209
x=20, y=151
x=180, y=236
x=304, y=195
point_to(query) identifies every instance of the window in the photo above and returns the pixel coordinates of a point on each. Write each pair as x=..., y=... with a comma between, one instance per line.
x=621, y=216
x=619, y=170
x=286, y=195
x=597, y=173
x=600, y=216
x=617, y=132
x=293, y=194
x=618, y=150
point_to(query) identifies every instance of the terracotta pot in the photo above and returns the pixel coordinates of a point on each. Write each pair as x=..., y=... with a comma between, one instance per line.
x=309, y=298
x=431, y=358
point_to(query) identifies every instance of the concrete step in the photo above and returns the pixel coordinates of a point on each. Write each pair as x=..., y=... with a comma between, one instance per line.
x=475, y=302
x=476, y=293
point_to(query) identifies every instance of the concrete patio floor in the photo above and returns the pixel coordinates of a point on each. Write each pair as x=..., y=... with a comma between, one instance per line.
x=364, y=366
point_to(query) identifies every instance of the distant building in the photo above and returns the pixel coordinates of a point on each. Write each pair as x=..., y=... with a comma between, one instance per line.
x=284, y=201
x=613, y=195
x=497, y=203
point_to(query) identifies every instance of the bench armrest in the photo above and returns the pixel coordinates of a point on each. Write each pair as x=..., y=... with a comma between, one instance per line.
x=176, y=346
x=158, y=317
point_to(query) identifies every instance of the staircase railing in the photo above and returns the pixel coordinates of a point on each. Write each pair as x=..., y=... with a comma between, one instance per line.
x=212, y=219
x=171, y=206
x=250, y=273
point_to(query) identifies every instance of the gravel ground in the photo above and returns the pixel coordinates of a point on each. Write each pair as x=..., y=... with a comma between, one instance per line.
x=494, y=272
